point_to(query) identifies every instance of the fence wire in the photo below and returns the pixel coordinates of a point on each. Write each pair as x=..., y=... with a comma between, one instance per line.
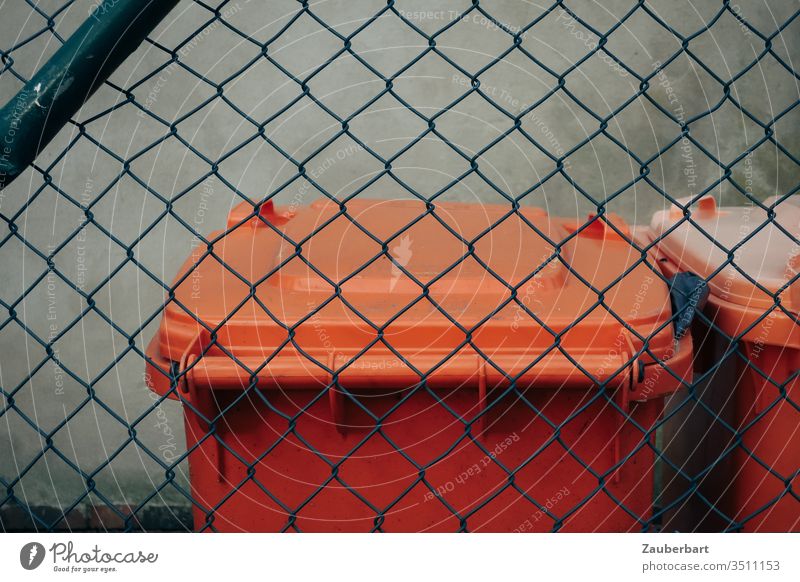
x=89, y=447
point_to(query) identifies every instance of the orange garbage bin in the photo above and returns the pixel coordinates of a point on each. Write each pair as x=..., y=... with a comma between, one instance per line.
x=489, y=376
x=751, y=265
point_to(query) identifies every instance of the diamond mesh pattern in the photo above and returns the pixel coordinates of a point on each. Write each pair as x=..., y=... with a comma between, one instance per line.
x=94, y=275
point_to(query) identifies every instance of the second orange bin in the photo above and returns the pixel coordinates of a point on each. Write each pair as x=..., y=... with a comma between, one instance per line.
x=751, y=264
x=489, y=376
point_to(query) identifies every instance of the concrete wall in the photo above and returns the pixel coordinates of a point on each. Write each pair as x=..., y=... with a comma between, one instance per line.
x=48, y=220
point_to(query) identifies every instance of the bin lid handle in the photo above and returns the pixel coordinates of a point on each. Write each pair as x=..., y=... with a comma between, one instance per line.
x=200, y=344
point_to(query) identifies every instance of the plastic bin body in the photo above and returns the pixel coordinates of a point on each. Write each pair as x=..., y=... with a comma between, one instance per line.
x=431, y=405
x=762, y=368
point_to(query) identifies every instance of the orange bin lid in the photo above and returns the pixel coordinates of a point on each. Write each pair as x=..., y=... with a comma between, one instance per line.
x=292, y=272
x=768, y=256
x=764, y=265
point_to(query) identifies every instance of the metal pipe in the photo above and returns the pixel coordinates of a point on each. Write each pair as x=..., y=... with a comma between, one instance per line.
x=30, y=120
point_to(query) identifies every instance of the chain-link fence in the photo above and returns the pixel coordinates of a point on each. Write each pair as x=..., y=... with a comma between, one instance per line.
x=233, y=117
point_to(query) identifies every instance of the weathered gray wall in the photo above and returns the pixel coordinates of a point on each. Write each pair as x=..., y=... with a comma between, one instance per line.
x=130, y=298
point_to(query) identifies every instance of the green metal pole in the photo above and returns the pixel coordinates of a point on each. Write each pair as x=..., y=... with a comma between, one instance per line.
x=113, y=30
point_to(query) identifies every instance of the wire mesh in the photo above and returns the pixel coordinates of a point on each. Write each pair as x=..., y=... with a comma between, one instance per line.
x=578, y=108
